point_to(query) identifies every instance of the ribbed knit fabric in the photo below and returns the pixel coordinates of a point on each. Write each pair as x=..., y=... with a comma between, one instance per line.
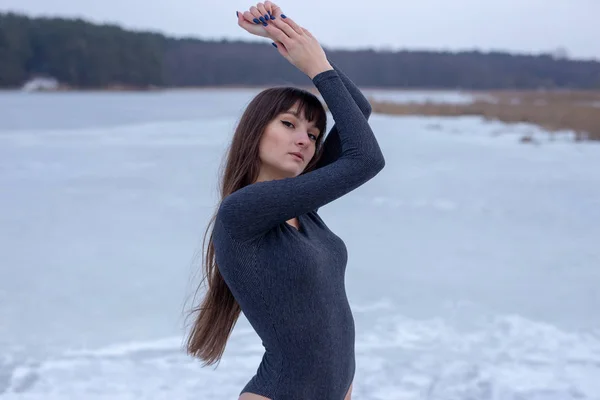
x=290, y=282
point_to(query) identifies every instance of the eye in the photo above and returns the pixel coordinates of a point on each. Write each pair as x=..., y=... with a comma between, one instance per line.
x=312, y=137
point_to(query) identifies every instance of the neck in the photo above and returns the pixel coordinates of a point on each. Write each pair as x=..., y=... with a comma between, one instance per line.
x=265, y=175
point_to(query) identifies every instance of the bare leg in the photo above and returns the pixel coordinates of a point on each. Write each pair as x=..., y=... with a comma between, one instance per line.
x=349, y=394
x=252, y=396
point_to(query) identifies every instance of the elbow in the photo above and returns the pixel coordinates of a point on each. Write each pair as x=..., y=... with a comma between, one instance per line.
x=373, y=165
x=379, y=163
x=371, y=161
x=377, y=160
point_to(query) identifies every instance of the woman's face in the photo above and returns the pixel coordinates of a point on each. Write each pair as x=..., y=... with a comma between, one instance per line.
x=287, y=134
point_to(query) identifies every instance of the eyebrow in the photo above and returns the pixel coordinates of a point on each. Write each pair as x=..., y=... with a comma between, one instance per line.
x=297, y=115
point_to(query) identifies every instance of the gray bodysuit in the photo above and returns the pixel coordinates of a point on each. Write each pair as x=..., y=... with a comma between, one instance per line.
x=290, y=282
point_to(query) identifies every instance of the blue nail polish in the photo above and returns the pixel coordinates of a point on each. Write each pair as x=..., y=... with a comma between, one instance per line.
x=283, y=16
x=262, y=19
x=237, y=14
x=266, y=16
x=265, y=24
x=272, y=17
x=256, y=21
x=274, y=44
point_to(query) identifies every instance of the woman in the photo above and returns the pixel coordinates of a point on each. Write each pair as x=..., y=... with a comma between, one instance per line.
x=270, y=254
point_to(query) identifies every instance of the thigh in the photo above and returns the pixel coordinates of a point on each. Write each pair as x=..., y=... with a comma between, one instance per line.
x=349, y=394
x=252, y=396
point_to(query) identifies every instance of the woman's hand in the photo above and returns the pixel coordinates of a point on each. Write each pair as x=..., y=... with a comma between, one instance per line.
x=298, y=46
x=295, y=43
x=253, y=20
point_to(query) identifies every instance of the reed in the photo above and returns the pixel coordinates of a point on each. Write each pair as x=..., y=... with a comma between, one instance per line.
x=577, y=111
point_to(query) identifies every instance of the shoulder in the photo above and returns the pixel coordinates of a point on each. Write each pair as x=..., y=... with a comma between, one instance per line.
x=227, y=228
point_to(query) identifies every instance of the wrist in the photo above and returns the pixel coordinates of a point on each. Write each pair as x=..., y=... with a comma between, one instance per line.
x=317, y=70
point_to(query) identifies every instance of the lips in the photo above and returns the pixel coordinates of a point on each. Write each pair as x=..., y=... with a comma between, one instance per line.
x=298, y=155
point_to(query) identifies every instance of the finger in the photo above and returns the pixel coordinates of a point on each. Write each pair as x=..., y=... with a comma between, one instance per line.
x=283, y=51
x=248, y=16
x=255, y=28
x=257, y=14
x=285, y=27
x=272, y=9
x=307, y=33
x=294, y=25
x=263, y=11
x=243, y=21
x=281, y=48
x=277, y=34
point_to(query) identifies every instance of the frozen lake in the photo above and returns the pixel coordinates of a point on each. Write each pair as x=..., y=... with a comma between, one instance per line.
x=473, y=270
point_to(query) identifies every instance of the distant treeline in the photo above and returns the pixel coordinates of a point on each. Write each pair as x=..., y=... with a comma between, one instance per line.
x=85, y=55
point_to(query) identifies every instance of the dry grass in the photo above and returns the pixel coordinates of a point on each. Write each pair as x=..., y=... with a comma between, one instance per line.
x=551, y=110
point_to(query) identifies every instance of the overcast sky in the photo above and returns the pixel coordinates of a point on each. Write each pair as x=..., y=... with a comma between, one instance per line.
x=524, y=26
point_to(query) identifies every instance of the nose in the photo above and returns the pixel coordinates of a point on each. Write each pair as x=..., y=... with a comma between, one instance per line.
x=302, y=139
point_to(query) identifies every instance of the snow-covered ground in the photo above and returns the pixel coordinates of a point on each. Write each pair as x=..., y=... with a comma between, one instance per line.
x=473, y=258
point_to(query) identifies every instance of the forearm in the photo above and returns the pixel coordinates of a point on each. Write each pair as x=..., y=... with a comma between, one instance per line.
x=317, y=69
x=355, y=92
x=332, y=146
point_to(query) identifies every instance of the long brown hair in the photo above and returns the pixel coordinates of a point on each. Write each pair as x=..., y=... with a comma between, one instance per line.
x=218, y=312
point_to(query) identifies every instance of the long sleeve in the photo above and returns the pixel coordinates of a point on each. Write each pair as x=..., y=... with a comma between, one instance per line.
x=331, y=146
x=254, y=209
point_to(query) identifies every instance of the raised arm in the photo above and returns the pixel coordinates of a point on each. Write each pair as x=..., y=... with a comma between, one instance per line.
x=252, y=210
x=331, y=146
